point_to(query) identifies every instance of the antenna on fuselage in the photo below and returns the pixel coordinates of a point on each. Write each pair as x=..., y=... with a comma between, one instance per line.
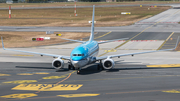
x=92, y=26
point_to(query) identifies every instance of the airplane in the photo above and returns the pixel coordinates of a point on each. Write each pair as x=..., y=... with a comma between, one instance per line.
x=86, y=53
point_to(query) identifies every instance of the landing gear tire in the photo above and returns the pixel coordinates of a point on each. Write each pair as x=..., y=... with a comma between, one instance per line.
x=73, y=67
x=70, y=67
x=78, y=72
x=57, y=70
x=100, y=67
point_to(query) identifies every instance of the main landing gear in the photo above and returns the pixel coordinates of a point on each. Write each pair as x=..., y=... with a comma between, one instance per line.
x=70, y=66
x=100, y=67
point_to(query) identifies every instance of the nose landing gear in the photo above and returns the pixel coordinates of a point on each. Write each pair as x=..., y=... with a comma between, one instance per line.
x=79, y=71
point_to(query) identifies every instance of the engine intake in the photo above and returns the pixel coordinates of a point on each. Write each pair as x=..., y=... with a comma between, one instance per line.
x=108, y=64
x=58, y=64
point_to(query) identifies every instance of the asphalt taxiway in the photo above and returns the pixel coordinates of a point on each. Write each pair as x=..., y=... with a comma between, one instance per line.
x=153, y=76
x=38, y=81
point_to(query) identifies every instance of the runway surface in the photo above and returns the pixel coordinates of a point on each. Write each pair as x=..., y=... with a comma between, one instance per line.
x=173, y=4
x=145, y=77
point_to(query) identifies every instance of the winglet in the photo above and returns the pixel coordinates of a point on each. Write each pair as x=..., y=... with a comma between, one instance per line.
x=92, y=26
x=176, y=43
x=2, y=43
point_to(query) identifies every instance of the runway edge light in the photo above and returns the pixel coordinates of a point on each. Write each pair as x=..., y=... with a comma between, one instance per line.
x=33, y=39
x=58, y=34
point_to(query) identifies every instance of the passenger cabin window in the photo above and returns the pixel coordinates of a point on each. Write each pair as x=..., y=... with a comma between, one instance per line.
x=78, y=54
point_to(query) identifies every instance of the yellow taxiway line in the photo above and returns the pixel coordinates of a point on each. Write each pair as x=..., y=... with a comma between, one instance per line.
x=164, y=65
x=165, y=41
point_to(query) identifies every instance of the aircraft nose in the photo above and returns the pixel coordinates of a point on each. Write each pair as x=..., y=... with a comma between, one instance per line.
x=76, y=64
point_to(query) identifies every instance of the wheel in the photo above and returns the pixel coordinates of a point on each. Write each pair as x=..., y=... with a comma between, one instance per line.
x=73, y=67
x=100, y=67
x=78, y=72
x=69, y=67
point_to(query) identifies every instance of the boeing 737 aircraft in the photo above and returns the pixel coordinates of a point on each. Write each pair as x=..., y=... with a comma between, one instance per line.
x=85, y=54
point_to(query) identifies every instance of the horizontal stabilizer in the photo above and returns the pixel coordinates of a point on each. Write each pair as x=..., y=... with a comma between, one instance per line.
x=74, y=40
x=112, y=40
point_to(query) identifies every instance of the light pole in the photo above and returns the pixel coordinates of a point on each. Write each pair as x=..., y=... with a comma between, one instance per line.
x=9, y=11
x=9, y=3
x=74, y=8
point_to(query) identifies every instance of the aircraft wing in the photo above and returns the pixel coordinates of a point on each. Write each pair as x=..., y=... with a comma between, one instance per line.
x=119, y=55
x=45, y=54
x=112, y=40
x=74, y=40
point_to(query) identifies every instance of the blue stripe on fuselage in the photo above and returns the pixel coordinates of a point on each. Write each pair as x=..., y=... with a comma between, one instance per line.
x=88, y=49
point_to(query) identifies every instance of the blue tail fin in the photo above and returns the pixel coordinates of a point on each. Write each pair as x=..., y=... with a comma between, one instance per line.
x=92, y=26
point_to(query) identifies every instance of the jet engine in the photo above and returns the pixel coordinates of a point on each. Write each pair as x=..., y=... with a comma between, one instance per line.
x=58, y=64
x=108, y=63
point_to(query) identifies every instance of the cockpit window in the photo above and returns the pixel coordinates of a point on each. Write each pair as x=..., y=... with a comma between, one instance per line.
x=74, y=54
x=78, y=54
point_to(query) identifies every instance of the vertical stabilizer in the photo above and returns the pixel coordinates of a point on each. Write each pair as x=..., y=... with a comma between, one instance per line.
x=92, y=26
